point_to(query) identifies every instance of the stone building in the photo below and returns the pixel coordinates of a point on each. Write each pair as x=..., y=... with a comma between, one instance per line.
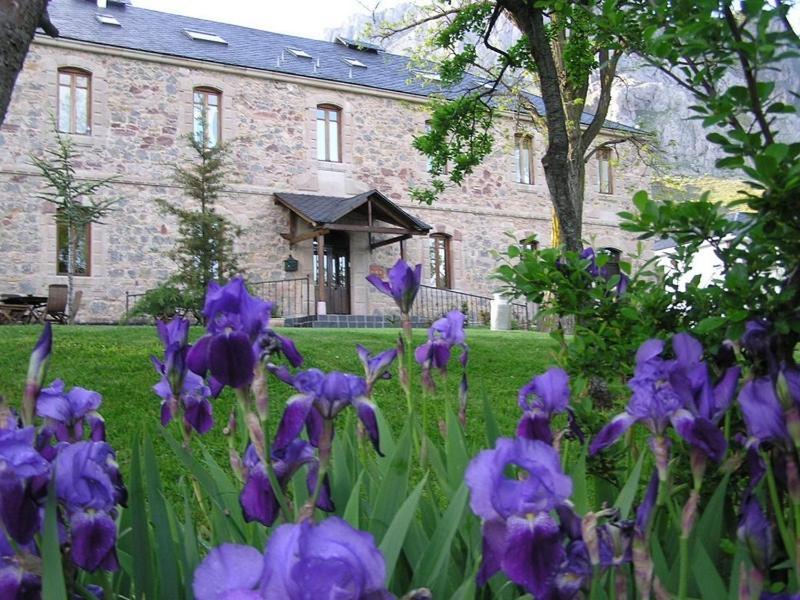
x=321, y=137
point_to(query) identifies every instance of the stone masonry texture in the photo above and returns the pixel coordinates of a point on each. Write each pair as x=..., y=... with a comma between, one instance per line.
x=141, y=109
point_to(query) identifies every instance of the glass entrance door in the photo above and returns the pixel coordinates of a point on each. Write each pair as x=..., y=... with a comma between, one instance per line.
x=336, y=273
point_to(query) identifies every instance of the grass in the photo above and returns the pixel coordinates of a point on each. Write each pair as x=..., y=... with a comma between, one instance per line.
x=114, y=360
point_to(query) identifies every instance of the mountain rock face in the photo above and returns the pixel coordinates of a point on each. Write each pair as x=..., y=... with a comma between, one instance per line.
x=643, y=96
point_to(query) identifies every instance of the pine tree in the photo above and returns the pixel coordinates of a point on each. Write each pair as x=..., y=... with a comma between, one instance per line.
x=76, y=205
x=204, y=250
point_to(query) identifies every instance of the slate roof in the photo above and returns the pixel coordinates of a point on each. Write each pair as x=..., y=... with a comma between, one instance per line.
x=320, y=210
x=164, y=33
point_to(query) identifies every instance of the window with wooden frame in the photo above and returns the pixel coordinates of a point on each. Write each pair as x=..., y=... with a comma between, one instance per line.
x=529, y=243
x=440, y=263
x=605, y=174
x=74, y=101
x=523, y=158
x=82, y=248
x=329, y=133
x=207, y=125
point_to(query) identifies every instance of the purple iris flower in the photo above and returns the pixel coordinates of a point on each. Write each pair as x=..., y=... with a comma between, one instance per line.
x=325, y=560
x=671, y=391
x=175, y=338
x=66, y=413
x=376, y=366
x=762, y=411
x=89, y=485
x=237, y=322
x=37, y=368
x=20, y=467
x=759, y=343
x=755, y=531
x=588, y=254
x=443, y=335
x=321, y=397
x=550, y=393
x=258, y=500
x=16, y=583
x=194, y=396
x=403, y=284
x=519, y=536
x=274, y=343
x=229, y=572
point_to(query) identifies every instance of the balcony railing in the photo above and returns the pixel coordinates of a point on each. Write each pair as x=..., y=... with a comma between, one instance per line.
x=432, y=303
x=289, y=297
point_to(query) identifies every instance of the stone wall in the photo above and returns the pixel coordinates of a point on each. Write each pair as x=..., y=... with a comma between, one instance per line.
x=141, y=108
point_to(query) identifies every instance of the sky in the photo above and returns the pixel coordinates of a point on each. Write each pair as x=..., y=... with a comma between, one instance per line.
x=304, y=18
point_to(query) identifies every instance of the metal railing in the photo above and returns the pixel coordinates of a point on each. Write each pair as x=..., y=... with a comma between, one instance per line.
x=289, y=297
x=130, y=301
x=432, y=303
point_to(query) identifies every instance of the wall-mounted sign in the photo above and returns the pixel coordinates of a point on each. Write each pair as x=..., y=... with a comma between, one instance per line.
x=290, y=264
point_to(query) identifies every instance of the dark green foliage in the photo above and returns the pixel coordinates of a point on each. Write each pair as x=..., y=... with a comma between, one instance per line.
x=204, y=250
x=167, y=301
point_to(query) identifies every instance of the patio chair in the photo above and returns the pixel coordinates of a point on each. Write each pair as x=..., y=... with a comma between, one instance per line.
x=56, y=307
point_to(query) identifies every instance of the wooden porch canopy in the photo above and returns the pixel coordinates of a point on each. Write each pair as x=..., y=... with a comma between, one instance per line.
x=360, y=213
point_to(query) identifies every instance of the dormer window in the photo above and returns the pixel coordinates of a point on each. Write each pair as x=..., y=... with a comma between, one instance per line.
x=605, y=173
x=108, y=20
x=204, y=36
x=354, y=62
x=298, y=53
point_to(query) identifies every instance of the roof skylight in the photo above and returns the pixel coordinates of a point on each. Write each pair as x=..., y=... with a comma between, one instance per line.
x=299, y=53
x=204, y=37
x=354, y=62
x=108, y=20
x=429, y=75
x=358, y=44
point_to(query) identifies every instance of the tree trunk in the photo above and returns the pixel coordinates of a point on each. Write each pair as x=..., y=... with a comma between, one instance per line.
x=563, y=161
x=72, y=247
x=18, y=22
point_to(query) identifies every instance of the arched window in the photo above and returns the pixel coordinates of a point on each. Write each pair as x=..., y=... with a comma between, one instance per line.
x=74, y=101
x=207, y=124
x=523, y=158
x=329, y=133
x=439, y=252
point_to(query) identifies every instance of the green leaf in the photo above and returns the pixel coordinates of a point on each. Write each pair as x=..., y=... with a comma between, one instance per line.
x=393, y=486
x=431, y=563
x=191, y=556
x=393, y=540
x=165, y=556
x=577, y=472
x=351, y=511
x=708, y=530
x=624, y=501
x=53, y=587
x=456, y=450
x=143, y=578
x=705, y=574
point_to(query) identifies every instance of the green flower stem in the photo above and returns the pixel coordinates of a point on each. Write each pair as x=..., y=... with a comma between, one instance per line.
x=684, y=567
x=786, y=538
x=325, y=445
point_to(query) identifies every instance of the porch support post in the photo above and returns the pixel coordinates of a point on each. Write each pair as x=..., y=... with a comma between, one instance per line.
x=321, y=306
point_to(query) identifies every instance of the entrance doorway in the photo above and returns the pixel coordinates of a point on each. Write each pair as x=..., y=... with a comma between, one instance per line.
x=336, y=272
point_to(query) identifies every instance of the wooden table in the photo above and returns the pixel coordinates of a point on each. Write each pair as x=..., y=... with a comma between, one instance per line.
x=19, y=309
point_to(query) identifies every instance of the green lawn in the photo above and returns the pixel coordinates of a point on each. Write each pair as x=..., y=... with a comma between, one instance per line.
x=114, y=361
